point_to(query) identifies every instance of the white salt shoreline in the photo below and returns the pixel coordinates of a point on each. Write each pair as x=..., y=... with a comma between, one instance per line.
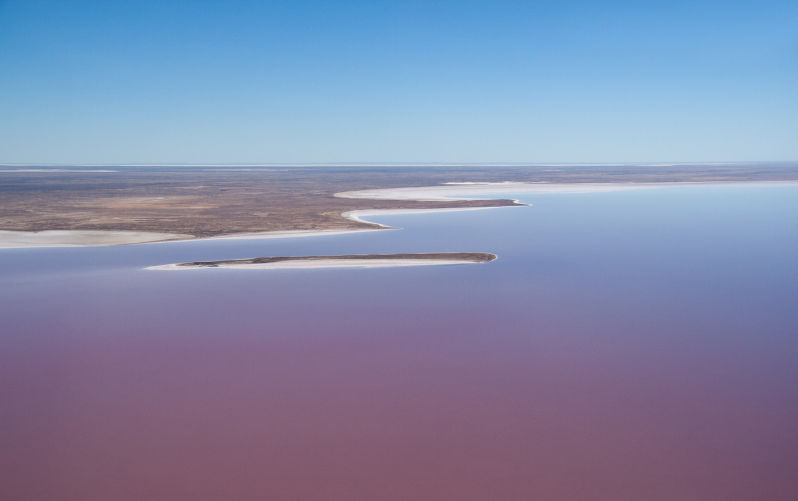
x=45, y=171
x=81, y=238
x=467, y=190
x=287, y=234
x=446, y=192
x=299, y=264
x=104, y=238
x=358, y=215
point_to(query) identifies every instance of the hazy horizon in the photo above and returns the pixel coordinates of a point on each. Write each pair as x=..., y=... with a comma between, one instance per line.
x=660, y=163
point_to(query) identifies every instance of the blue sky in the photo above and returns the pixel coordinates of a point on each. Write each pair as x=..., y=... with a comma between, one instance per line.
x=338, y=81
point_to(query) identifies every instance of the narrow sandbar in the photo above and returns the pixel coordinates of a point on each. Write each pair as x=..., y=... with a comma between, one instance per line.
x=341, y=261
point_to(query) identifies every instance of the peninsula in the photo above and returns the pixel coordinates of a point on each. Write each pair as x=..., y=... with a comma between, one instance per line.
x=43, y=206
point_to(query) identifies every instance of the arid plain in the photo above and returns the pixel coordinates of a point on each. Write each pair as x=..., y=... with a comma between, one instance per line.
x=208, y=201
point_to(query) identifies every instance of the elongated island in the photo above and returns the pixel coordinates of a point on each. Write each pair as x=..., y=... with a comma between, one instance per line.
x=338, y=261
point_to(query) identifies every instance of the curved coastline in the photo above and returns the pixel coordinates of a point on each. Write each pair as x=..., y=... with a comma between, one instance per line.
x=359, y=214
x=447, y=192
x=10, y=239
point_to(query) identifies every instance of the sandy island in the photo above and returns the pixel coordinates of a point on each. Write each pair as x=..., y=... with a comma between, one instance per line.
x=341, y=261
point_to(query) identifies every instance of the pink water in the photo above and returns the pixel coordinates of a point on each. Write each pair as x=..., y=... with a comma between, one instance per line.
x=624, y=346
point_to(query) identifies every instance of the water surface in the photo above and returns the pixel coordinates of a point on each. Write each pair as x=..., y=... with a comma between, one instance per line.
x=629, y=345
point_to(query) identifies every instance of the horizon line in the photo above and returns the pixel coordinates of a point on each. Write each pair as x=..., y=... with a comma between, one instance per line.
x=387, y=164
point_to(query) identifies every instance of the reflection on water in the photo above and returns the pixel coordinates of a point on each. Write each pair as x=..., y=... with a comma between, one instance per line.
x=631, y=345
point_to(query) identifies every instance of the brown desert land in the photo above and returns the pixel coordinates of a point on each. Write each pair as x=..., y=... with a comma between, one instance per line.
x=208, y=201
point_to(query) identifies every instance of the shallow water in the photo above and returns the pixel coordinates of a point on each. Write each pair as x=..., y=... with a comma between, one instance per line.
x=629, y=345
